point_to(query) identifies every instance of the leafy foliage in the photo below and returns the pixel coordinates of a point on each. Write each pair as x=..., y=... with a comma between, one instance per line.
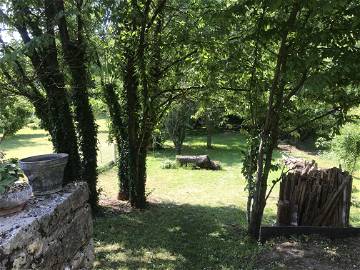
x=14, y=114
x=346, y=146
x=9, y=173
x=169, y=164
x=289, y=69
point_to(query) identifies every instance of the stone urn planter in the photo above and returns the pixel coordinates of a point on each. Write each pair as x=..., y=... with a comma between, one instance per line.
x=14, y=198
x=45, y=172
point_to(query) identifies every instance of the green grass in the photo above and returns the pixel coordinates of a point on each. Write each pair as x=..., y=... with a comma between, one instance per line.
x=29, y=142
x=197, y=222
x=196, y=218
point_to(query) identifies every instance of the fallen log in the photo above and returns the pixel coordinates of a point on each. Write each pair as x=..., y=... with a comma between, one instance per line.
x=201, y=161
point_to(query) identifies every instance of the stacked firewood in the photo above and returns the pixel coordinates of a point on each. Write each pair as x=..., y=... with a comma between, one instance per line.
x=314, y=197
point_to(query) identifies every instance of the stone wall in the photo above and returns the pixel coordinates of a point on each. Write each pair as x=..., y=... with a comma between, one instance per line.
x=52, y=232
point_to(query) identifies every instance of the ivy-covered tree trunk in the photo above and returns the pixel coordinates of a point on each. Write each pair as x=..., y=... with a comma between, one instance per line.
x=87, y=130
x=46, y=65
x=75, y=57
x=120, y=133
x=123, y=169
x=137, y=155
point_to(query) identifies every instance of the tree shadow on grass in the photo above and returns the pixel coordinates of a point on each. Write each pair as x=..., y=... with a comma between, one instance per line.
x=228, y=148
x=25, y=140
x=169, y=236
x=227, y=155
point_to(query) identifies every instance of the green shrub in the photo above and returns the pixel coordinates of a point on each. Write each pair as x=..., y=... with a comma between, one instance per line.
x=346, y=146
x=9, y=172
x=323, y=143
x=14, y=114
x=169, y=164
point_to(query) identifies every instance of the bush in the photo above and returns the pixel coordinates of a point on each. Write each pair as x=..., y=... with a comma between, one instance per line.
x=169, y=164
x=14, y=114
x=323, y=143
x=346, y=146
x=9, y=172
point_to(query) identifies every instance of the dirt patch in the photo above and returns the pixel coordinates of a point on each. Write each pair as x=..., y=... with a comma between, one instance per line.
x=114, y=207
x=311, y=253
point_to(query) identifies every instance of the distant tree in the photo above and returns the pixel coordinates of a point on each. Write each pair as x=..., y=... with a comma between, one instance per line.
x=177, y=121
x=14, y=114
x=211, y=109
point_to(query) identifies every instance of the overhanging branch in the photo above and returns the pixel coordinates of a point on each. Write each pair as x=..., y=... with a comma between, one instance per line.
x=332, y=111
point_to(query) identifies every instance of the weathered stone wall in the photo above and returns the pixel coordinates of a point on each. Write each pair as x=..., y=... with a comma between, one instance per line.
x=52, y=232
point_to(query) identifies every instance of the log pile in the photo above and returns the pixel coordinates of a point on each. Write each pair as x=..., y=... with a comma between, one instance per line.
x=314, y=197
x=202, y=162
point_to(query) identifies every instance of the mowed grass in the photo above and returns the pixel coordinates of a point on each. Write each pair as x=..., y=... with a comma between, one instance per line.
x=28, y=142
x=196, y=218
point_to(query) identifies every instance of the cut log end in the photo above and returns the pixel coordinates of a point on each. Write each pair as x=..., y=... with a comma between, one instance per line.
x=314, y=197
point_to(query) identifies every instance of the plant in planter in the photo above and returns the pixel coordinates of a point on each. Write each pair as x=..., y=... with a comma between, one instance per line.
x=13, y=193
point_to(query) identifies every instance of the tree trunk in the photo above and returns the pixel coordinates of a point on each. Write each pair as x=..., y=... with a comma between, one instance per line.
x=75, y=57
x=178, y=147
x=269, y=135
x=202, y=162
x=123, y=167
x=121, y=138
x=137, y=155
x=139, y=201
x=63, y=133
x=87, y=131
x=209, y=131
x=45, y=62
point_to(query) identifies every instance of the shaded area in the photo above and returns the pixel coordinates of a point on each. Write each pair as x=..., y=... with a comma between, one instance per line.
x=26, y=140
x=169, y=236
x=311, y=252
x=228, y=148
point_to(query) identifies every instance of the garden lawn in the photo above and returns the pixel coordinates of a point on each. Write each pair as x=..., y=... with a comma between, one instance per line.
x=196, y=218
x=32, y=141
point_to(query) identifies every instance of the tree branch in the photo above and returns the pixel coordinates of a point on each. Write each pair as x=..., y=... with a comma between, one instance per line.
x=177, y=61
x=298, y=87
x=158, y=10
x=332, y=111
x=234, y=89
